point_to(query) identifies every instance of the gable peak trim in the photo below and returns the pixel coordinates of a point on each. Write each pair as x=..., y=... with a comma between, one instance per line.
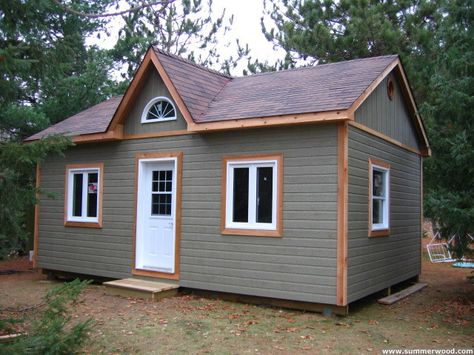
x=150, y=62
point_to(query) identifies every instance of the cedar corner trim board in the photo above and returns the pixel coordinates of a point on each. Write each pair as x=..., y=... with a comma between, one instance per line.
x=342, y=213
x=36, y=216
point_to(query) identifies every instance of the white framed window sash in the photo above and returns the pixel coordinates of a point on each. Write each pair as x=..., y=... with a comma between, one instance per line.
x=149, y=106
x=252, y=165
x=70, y=192
x=385, y=199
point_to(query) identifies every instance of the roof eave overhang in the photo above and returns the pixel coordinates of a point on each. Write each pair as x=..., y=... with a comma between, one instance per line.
x=225, y=125
x=269, y=121
x=109, y=135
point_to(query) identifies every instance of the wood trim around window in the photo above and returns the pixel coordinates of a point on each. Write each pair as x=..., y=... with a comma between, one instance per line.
x=381, y=232
x=177, y=251
x=79, y=224
x=278, y=232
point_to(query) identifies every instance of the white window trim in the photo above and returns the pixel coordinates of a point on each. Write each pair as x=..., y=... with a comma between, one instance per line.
x=150, y=104
x=70, y=195
x=386, y=206
x=252, y=165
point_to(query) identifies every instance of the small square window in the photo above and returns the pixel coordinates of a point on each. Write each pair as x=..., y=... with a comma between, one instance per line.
x=83, y=192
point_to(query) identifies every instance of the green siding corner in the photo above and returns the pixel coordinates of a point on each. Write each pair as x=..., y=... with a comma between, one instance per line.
x=379, y=262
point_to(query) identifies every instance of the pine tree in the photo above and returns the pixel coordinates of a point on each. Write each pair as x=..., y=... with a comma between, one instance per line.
x=46, y=74
x=450, y=171
x=186, y=28
x=322, y=31
x=41, y=48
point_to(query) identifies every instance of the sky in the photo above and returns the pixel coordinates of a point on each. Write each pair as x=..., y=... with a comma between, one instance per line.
x=246, y=27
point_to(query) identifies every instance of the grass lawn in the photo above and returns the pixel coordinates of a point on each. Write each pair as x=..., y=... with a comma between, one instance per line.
x=440, y=316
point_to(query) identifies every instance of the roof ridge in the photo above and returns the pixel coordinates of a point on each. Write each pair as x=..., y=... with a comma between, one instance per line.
x=315, y=66
x=187, y=61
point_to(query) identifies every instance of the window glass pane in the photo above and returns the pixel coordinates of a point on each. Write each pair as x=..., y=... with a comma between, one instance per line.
x=377, y=211
x=161, y=109
x=378, y=183
x=241, y=195
x=162, y=181
x=161, y=204
x=168, y=110
x=92, y=193
x=154, y=204
x=77, y=195
x=264, y=194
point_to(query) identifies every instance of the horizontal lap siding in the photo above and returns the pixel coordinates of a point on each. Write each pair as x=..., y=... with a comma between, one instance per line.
x=299, y=266
x=378, y=262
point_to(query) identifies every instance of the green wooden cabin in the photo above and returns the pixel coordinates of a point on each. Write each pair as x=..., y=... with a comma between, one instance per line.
x=302, y=185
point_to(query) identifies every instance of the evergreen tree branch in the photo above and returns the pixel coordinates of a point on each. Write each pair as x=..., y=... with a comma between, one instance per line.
x=66, y=8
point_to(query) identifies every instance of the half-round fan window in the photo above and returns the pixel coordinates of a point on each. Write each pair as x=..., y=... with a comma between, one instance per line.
x=159, y=109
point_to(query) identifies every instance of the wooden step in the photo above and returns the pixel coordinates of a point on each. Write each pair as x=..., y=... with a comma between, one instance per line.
x=402, y=294
x=154, y=290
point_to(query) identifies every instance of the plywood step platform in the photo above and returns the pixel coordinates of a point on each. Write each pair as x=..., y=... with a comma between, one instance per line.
x=154, y=290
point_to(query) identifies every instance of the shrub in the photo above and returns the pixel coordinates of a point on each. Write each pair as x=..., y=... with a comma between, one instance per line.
x=54, y=332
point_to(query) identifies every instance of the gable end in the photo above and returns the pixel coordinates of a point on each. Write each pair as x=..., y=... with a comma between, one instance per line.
x=392, y=117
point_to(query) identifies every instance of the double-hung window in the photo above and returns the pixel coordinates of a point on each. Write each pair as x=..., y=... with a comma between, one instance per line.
x=379, y=198
x=83, y=195
x=253, y=195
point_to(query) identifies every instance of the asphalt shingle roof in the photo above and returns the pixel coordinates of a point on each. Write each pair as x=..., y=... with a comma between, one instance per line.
x=95, y=119
x=211, y=96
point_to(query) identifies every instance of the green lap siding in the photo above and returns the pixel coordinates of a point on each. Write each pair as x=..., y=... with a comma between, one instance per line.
x=299, y=266
x=375, y=263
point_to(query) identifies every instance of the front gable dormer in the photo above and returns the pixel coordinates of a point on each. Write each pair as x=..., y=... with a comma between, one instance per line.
x=154, y=110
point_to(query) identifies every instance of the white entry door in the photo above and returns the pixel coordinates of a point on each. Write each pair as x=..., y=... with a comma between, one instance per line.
x=156, y=215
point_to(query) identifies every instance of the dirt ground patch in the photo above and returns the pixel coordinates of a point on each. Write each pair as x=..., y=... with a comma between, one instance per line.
x=439, y=317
